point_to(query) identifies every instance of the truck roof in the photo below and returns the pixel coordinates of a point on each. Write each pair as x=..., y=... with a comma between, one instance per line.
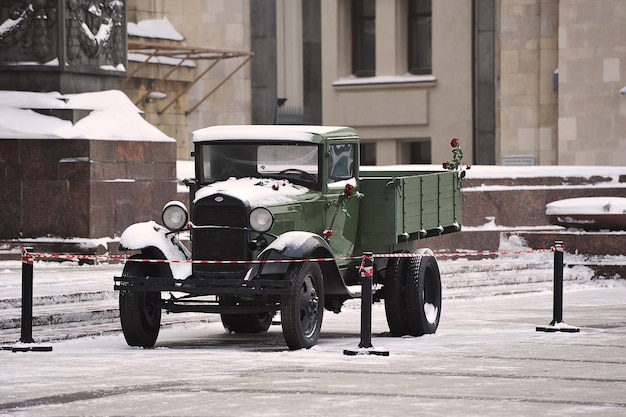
x=313, y=134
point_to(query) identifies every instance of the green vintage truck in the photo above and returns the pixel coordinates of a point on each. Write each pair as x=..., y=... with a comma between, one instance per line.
x=278, y=219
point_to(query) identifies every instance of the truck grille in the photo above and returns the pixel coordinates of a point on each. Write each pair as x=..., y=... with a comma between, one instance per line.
x=220, y=244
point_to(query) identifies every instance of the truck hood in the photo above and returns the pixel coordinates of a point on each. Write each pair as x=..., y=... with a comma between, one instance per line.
x=257, y=191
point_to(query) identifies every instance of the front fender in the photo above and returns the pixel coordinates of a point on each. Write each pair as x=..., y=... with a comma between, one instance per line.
x=296, y=245
x=303, y=245
x=147, y=235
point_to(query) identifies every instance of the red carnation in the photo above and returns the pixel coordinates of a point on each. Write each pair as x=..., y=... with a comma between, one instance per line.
x=454, y=142
x=349, y=191
x=445, y=165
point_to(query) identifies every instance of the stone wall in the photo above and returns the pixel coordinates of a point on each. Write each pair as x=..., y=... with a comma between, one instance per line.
x=518, y=207
x=82, y=188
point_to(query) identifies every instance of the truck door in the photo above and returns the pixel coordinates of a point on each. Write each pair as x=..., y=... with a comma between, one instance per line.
x=342, y=206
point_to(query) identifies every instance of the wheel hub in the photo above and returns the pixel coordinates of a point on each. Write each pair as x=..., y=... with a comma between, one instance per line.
x=313, y=305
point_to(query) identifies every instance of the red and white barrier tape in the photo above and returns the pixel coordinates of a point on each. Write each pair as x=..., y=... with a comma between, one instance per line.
x=29, y=257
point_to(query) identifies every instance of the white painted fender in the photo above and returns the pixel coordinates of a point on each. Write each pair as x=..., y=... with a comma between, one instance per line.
x=151, y=234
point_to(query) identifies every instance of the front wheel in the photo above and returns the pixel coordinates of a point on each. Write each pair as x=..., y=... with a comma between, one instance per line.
x=303, y=308
x=247, y=323
x=139, y=316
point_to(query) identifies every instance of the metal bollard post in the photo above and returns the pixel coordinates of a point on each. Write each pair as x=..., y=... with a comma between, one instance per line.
x=366, y=300
x=557, y=296
x=367, y=281
x=557, y=324
x=27, y=296
x=26, y=342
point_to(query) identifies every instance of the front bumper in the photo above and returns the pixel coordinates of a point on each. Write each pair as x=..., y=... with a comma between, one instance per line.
x=204, y=295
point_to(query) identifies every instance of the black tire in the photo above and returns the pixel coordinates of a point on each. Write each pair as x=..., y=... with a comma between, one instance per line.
x=423, y=296
x=394, y=296
x=139, y=316
x=247, y=323
x=413, y=296
x=303, y=309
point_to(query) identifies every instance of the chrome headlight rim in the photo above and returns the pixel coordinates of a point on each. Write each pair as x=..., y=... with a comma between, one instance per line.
x=261, y=220
x=175, y=216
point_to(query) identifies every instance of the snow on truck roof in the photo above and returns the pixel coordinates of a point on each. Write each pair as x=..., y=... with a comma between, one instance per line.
x=272, y=132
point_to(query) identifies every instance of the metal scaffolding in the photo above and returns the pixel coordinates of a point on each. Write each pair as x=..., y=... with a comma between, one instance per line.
x=181, y=54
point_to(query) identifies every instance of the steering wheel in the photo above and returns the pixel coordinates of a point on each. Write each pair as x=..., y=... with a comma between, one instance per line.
x=303, y=174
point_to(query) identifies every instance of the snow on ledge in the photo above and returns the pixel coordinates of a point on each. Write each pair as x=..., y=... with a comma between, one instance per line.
x=587, y=206
x=352, y=80
x=154, y=28
x=113, y=117
x=537, y=171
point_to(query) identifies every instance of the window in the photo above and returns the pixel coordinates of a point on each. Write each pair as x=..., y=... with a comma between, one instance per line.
x=364, y=38
x=420, y=153
x=368, y=153
x=298, y=163
x=416, y=152
x=340, y=162
x=420, y=36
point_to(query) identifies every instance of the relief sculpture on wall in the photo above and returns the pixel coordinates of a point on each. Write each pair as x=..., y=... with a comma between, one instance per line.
x=94, y=33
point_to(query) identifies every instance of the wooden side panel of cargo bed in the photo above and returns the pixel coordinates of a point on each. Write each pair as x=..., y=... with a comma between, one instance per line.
x=409, y=207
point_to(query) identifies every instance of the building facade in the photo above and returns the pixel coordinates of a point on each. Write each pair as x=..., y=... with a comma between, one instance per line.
x=400, y=72
x=520, y=82
x=561, y=65
x=517, y=81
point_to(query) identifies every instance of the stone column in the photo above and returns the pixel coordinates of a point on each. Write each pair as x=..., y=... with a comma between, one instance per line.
x=263, y=66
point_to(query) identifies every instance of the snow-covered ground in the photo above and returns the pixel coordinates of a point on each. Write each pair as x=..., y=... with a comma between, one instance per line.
x=486, y=359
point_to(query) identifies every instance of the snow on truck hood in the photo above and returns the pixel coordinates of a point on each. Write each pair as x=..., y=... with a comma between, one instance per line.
x=257, y=192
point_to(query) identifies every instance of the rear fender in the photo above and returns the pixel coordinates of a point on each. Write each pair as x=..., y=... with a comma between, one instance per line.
x=148, y=236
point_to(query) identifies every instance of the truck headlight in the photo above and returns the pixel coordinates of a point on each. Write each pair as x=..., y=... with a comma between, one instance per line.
x=261, y=219
x=175, y=216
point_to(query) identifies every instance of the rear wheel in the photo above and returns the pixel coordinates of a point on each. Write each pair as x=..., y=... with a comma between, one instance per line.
x=302, y=310
x=394, y=296
x=423, y=296
x=139, y=316
x=413, y=296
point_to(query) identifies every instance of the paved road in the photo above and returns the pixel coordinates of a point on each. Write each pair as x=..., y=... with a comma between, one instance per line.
x=486, y=359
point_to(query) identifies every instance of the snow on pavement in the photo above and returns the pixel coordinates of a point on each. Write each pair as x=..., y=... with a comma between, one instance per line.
x=486, y=359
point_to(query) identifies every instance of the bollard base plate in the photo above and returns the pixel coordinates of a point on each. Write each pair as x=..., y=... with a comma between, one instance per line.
x=366, y=351
x=558, y=327
x=30, y=347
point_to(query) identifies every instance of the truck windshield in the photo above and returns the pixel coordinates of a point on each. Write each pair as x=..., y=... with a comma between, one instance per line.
x=296, y=162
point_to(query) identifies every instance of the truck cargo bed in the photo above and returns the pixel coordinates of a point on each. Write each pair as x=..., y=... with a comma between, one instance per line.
x=401, y=205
